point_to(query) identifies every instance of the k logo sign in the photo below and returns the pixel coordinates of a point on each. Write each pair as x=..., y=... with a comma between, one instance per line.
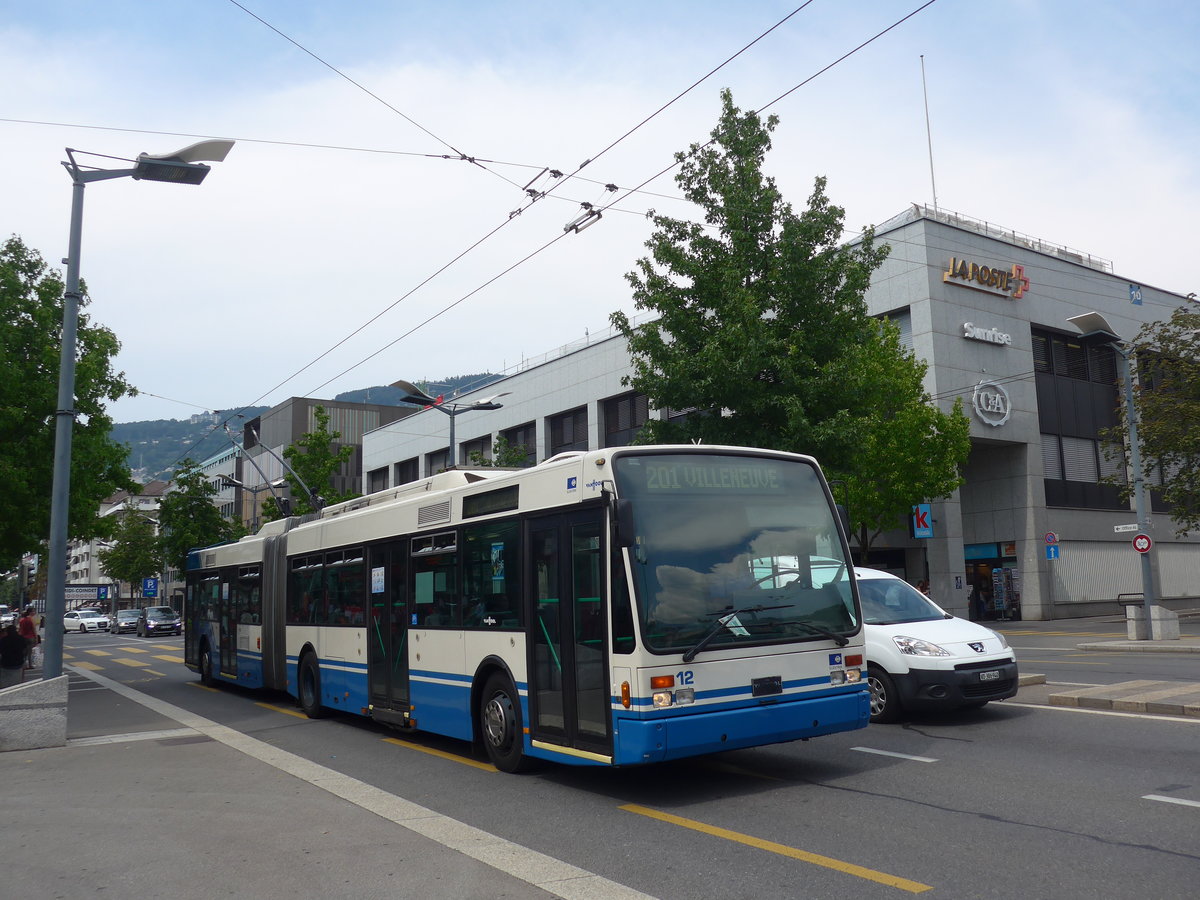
x=922, y=521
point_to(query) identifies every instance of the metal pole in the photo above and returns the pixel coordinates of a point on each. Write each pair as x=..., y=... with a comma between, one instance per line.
x=1139, y=483
x=64, y=423
x=452, y=461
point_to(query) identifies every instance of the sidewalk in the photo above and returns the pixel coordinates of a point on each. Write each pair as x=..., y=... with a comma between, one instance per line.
x=1168, y=698
x=148, y=799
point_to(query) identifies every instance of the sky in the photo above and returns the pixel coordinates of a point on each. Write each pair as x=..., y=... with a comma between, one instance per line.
x=372, y=222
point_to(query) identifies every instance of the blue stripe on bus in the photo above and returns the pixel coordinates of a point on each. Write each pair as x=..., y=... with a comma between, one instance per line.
x=745, y=690
x=644, y=709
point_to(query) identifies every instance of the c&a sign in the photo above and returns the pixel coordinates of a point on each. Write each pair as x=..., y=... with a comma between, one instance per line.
x=1010, y=282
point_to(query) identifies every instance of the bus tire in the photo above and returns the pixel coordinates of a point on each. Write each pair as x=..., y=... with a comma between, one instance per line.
x=206, y=673
x=885, y=701
x=500, y=724
x=308, y=687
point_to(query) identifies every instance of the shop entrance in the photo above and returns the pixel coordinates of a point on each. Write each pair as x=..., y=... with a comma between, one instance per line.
x=994, y=581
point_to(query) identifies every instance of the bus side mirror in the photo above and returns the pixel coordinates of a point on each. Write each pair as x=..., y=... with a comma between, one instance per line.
x=844, y=515
x=625, y=529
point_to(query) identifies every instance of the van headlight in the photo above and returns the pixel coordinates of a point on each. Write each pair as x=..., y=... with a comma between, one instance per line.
x=911, y=646
x=1002, y=639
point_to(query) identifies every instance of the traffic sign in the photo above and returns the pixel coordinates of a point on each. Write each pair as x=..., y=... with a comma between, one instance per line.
x=1052, y=551
x=1142, y=543
x=149, y=587
x=1051, y=537
x=1121, y=529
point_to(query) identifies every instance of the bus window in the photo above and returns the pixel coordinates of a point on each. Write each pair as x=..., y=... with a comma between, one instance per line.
x=492, y=576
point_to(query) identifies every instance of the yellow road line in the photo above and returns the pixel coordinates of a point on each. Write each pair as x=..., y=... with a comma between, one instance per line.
x=174, y=659
x=913, y=887
x=281, y=709
x=152, y=672
x=135, y=649
x=98, y=652
x=203, y=687
x=442, y=754
x=136, y=663
x=84, y=664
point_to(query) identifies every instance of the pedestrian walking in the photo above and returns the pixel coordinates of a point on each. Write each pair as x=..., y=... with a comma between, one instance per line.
x=27, y=630
x=12, y=657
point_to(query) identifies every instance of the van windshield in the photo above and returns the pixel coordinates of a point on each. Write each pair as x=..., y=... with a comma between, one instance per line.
x=890, y=601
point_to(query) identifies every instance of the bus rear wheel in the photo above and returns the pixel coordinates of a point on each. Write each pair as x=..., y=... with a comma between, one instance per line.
x=309, y=687
x=500, y=724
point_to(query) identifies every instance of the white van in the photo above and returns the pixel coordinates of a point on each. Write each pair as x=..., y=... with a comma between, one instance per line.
x=921, y=657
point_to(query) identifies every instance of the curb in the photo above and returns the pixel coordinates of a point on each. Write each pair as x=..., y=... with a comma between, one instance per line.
x=1190, y=645
x=1165, y=698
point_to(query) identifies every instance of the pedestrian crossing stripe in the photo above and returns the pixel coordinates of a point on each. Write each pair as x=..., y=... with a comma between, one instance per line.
x=98, y=652
x=135, y=650
x=83, y=664
x=171, y=659
x=136, y=663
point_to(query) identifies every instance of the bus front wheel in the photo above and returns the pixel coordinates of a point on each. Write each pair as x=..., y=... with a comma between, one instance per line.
x=206, y=675
x=310, y=687
x=500, y=722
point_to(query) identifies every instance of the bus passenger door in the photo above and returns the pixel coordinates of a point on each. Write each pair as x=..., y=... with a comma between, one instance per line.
x=387, y=628
x=568, y=681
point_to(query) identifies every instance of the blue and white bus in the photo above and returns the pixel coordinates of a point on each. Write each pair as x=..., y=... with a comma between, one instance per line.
x=615, y=607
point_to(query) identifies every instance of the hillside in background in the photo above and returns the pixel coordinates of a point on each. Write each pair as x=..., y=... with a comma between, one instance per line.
x=158, y=446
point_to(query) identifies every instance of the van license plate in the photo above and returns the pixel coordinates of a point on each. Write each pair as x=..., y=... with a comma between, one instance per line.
x=989, y=676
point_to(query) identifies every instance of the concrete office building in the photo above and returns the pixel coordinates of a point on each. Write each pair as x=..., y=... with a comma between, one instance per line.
x=987, y=308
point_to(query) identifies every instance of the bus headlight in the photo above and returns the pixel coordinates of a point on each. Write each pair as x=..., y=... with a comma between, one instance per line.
x=662, y=699
x=684, y=696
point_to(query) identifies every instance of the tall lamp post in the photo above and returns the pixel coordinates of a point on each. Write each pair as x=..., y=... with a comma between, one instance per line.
x=254, y=491
x=413, y=394
x=182, y=167
x=1094, y=326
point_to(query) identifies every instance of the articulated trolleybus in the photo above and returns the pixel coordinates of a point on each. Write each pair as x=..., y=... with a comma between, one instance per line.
x=615, y=607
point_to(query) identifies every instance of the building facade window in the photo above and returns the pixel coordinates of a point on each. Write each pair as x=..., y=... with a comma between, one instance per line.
x=523, y=436
x=568, y=431
x=624, y=417
x=437, y=461
x=377, y=480
x=1077, y=403
x=409, y=470
x=480, y=448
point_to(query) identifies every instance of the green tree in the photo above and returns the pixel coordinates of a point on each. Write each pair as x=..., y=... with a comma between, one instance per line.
x=31, y=308
x=134, y=553
x=188, y=518
x=315, y=460
x=504, y=455
x=1168, y=405
x=762, y=334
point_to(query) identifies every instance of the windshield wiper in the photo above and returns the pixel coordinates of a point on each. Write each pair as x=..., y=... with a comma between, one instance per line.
x=723, y=622
x=840, y=640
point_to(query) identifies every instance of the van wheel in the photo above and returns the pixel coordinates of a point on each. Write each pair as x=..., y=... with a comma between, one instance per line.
x=885, y=703
x=309, y=687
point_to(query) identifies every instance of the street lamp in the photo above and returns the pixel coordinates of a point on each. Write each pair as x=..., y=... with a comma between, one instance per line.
x=1094, y=326
x=413, y=394
x=181, y=167
x=254, y=490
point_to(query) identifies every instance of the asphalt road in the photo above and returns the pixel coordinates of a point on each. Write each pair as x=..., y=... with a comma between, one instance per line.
x=1015, y=800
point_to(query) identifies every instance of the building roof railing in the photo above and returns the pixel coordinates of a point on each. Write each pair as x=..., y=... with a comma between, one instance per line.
x=992, y=230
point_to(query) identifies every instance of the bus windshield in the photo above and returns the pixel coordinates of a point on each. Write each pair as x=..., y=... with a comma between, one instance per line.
x=732, y=550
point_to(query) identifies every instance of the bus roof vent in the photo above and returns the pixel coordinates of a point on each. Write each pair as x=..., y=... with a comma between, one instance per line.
x=434, y=513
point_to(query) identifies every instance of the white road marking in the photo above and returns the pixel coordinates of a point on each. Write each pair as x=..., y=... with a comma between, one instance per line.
x=925, y=759
x=1105, y=712
x=1179, y=800
x=551, y=875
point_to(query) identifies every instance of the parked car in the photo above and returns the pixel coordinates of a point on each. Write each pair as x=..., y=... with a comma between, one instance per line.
x=921, y=657
x=159, y=620
x=126, y=620
x=7, y=616
x=85, y=620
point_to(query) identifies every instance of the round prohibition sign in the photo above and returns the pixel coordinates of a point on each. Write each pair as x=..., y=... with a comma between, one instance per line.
x=1142, y=543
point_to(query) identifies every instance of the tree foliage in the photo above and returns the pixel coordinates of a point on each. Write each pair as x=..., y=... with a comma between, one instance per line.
x=504, y=455
x=316, y=461
x=1168, y=405
x=31, y=308
x=188, y=518
x=134, y=553
x=763, y=337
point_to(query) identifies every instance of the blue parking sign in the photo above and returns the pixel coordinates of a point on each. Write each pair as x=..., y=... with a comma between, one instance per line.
x=149, y=587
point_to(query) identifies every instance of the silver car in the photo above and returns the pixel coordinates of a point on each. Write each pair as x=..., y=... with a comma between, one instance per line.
x=85, y=620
